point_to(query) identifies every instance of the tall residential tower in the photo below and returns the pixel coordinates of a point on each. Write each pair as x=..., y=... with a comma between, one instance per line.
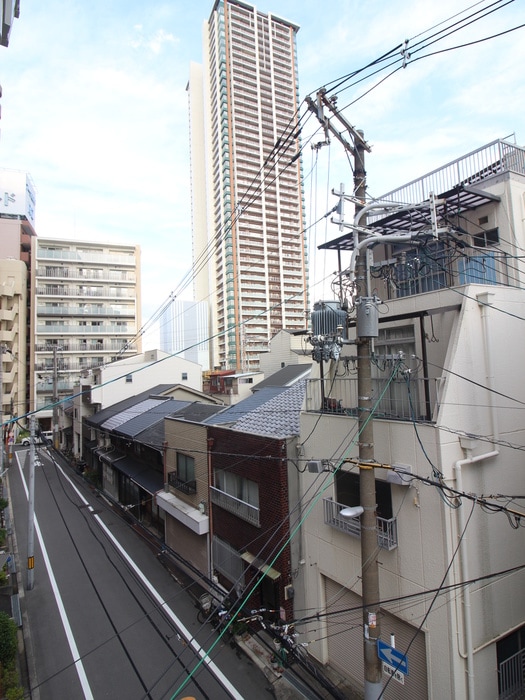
x=248, y=241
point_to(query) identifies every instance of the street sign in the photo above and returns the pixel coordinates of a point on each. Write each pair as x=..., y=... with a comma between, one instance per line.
x=396, y=675
x=392, y=657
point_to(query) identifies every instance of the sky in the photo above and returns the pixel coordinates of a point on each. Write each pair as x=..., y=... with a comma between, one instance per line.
x=94, y=108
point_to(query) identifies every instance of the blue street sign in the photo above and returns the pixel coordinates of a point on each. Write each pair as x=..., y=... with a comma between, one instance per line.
x=392, y=657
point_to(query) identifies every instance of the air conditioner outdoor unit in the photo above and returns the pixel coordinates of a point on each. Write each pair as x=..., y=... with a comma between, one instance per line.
x=315, y=466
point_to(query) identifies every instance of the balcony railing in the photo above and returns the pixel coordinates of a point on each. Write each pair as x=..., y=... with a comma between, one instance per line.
x=88, y=310
x=340, y=397
x=386, y=529
x=233, y=505
x=187, y=487
x=512, y=677
x=78, y=329
x=85, y=257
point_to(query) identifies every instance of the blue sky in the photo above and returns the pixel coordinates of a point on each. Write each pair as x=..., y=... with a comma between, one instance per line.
x=94, y=107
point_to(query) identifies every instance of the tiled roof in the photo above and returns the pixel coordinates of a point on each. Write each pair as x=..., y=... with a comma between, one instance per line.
x=286, y=376
x=278, y=416
x=97, y=419
x=234, y=413
x=135, y=422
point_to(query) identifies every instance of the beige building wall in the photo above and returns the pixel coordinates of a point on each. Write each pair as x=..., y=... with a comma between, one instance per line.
x=86, y=304
x=13, y=329
x=185, y=504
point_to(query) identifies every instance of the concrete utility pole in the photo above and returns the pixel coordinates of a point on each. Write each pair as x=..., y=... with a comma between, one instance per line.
x=31, y=509
x=367, y=328
x=55, y=398
x=2, y=408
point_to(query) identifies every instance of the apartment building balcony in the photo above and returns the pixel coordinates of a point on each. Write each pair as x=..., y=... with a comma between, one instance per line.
x=86, y=310
x=241, y=509
x=62, y=272
x=8, y=314
x=8, y=336
x=63, y=385
x=386, y=528
x=84, y=257
x=54, y=290
x=339, y=397
x=78, y=329
x=102, y=346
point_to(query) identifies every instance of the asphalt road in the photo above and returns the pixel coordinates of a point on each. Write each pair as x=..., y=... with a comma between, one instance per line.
x=106, y=620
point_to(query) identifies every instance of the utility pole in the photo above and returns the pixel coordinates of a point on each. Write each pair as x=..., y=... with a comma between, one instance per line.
x=367, y=325
x=367, y=329
x=55, y=397
x=31, y=509
x=2, y=408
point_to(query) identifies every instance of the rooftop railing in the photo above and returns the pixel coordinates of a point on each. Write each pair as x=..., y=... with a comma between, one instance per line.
x=472, y=168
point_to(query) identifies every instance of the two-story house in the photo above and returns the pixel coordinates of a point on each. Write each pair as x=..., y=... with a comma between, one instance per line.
x=232, y=494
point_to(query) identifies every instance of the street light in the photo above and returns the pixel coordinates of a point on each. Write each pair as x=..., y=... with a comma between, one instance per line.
x=352, y=511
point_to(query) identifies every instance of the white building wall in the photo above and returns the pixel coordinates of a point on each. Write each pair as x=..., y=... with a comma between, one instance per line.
x=134, y=375
x=429, y=529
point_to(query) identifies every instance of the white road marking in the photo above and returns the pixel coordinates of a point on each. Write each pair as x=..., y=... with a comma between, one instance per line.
x=219, y=675
x=79, y=666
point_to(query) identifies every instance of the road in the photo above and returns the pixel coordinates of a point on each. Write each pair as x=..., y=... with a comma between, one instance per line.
x=106, y=619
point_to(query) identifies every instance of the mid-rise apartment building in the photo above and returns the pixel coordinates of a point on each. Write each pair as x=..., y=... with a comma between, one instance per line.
x=248, y=221
x=85, y=312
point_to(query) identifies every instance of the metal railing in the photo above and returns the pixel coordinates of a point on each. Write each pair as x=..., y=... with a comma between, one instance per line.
x=187, y=487
x=476, y=166
x=511, y=677
x=85, y=256
x=234, y=505
x=339, y=397
x=386, y=528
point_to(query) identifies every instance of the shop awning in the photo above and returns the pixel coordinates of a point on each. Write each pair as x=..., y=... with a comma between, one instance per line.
x=264, y=568
x=148, y=479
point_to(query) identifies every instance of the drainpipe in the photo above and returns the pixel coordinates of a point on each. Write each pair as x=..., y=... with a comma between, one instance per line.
x=467, y=618
x=209, y=443
x=484, y=301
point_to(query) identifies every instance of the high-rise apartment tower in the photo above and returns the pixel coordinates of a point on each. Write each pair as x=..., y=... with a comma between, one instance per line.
x=247, y=203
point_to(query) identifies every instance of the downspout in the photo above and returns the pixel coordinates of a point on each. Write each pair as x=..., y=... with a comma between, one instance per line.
x=209, y=444
x=484, y=302
x=467, y=618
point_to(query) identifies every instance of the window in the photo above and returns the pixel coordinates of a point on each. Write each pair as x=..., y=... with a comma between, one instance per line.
x=129, y=378
x=347, y=493
x=237, y=486
x=477, y=269
x=419, y=270
x=486, y=238
x=396, y=402
x=184, y=376
x=227, y=561
x=184, y=478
